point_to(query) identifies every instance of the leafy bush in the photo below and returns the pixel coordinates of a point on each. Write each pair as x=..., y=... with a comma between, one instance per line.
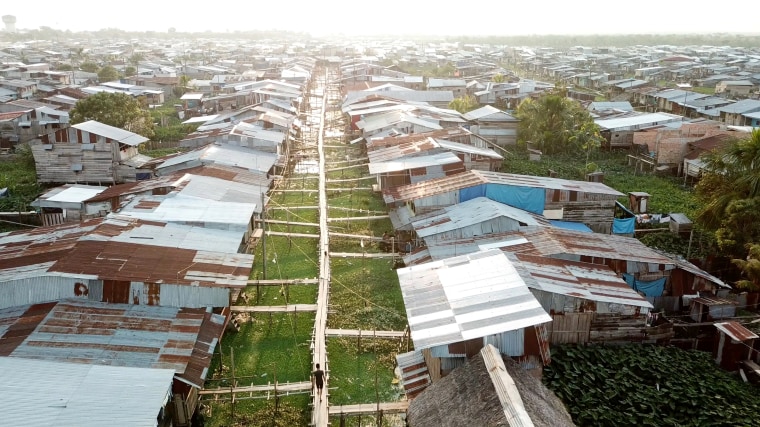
x=648, y=385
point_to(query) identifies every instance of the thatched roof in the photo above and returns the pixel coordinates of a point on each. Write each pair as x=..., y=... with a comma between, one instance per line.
x=471, y=395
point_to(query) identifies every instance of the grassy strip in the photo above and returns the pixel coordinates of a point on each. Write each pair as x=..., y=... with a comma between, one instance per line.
x=362, y=375
x=365, y=295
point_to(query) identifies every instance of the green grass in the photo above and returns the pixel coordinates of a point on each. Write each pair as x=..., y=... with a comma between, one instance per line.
x=703, y=90
x=18, y=174
x=362, y=375
x=365, y=294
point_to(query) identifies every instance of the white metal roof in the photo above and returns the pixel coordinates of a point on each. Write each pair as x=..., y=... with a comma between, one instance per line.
x=465, y=148
x=467, y=213
x=414, y=162
x=638, y=121
x=70, y=193
x=171, y=235
x=41, y=393
x=102, y=129
x=466, y=297
x=177, y=208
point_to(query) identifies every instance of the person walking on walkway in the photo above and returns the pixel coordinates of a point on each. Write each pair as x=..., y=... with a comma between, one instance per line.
x=318, y=379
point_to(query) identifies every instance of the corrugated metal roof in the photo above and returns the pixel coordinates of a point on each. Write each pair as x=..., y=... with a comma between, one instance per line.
x=637, y=121
x=225, y=155
x=468, y=213
x=421, y=160
x=414, y=373
x=181, y=209
x=89, y=332
x=92, y=250
x=220, y=190
x=466, y=297
x=68, y=193
x=552, y=242
x=490, y=112
x=464, y=148
x=102, y=129
x=42, y=393
x=736, y=331
x=582, y=280
x=476, y=177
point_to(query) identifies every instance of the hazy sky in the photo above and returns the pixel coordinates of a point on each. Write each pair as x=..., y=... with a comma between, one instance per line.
x=442, y=17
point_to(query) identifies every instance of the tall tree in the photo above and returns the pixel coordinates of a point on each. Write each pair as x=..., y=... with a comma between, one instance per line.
x=114, y=109
x=554, y=124
x=108, y=74
x=729, y=192
x=464, y=103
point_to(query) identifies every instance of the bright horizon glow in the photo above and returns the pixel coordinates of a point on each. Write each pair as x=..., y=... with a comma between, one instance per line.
x=392, y=17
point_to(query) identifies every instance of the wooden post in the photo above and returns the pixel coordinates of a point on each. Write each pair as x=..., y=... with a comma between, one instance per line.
x=359, y=342
x=232, y=384
x=264, y=235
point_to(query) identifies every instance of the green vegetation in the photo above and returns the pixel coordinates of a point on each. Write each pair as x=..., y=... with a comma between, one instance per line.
x=464, y=103
x=114, y=109
x=555, y=124
x=18, y=174
x=638, y=385
x=704, y=90
x=108, y=74
x=729, y=193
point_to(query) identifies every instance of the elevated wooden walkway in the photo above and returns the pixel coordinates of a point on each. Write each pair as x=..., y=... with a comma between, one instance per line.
x=364, y=334
x=370, y=408
x=285, y=387
x=273, y=308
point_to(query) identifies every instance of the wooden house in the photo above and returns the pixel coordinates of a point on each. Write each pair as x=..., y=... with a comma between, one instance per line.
x=82, y=332
x=443, y=299
x=67, y=203
x=590, y=203
x=665, y=281
x=734, y=344
x=123, y=260
x=90, y=152
x=493, y=124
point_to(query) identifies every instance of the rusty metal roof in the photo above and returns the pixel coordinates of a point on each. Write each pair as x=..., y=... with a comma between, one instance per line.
x=472, y=178
x=447, y=134
x=582, y=280
x=120, y=190
x=110, y=249
x=736, y=331
x=553, y=242
x=89, y=332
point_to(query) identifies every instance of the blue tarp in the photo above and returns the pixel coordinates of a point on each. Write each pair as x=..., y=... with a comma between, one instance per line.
x=525, y=198
x=652, y=288
x=470, y=193
x=567, y=225
x=623, y=226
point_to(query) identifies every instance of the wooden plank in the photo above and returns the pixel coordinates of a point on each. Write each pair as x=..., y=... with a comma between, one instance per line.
x=275, y=221
x=358, y=218
x=273, y=308
x=363, y=334
x=362, y=255
x=299, y=386
x=371, y=408
x=358, y=236
x=276, y=282
x=283, y=234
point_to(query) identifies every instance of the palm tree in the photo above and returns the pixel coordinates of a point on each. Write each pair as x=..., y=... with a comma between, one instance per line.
x=733, y=174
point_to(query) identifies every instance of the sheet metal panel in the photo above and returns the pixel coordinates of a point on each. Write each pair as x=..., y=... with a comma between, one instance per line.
x=43, y=393
x=466, y=297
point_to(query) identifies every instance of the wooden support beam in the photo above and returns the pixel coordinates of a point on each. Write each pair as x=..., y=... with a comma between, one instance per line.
x=357, y=218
